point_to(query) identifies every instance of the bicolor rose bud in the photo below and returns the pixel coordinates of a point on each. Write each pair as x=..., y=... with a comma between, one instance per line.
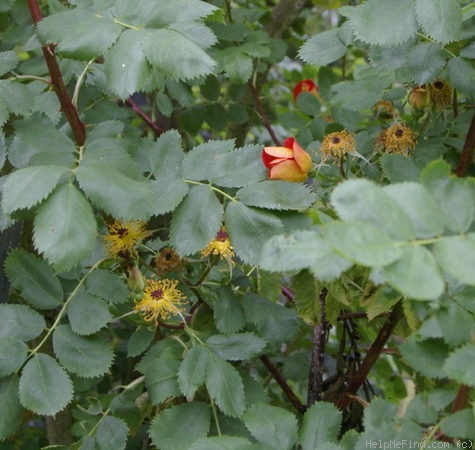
x=306, y=86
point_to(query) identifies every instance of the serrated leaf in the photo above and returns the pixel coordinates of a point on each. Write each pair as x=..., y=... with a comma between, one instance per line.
x=362, y=243
x=117, y=194
x=272, y=426
x=323, y=48
x=35, y=279
x=111, y=433
x=175, y=55
x=225, y=443
x=65, y=228
x=25, y=188
x=166, y=156
x=427, y=357
x=227, y=311
x=236, y=346
x=8, y=61
x=277, y=194
x=194, y=417
x=80, y=34
x=125, y=67
x=399, y=168
x=13, y=353
x=224, y=385
x=456, y=365
x=374, y=21
x=415, y=274
x=167, y=195
x=353, y=95
x=274, y=322
x=424, y=62
x=108, y=286
x=440, y=19
x=249, y=229
x=201, y=208
x=456, y=256
x=362, y=200
x=419, y=206
x=462, y=75
x=87, y=313
x=321, y=424
x=459, y=425
x=455, y=324
x=45, y=388
x=15, y=96
x=192, y=373
x=236, y=64
x=139, y=341
x=20, y=322
x=12, y=411
x=85, y=356
x=300, y=250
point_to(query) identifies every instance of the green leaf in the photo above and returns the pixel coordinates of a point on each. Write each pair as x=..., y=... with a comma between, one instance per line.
x=440, y=19
x=192, y=373
x=362, y=200
x=85, y=356
x=419, y=206
x=87, y=313
x=168, y=194
x=275, y=322
x=456, y=256
x=323, y=48
x=273, y=426
x=111, y=433
x=277, y=194
x=175, y=55
x=321, y=424
x=428, y=357
x=194, y=419
x=35, y=279
x=381, y=301
x=25, y=188
x=306, y=297
x=455, y=324
x=16, y=97
x=201, y=208
x=415, y=274
x=13, y=353
x=227, y=311
x=224, y=443
x=8, y=61
x=108, y=286
x=462, y=74
x=80, y=34
x=12, y=411
x=139, y=341
x=362, y=243
x=126, y=68
x=65, y=228
x=45, y=388
x=457, y=368
x=459, y=425
x=424, y=61
x=399, y=168
x=373, y=22
x=236, y=346
x=300, y=250
x=166, y=156
x=224, y=385
x=117, y=194
x=236, y=64
x=20, y=322
x=249, y=229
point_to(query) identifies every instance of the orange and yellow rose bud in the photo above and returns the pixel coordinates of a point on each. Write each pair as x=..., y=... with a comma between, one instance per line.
x=289, y=163
x=419, y=97
x=306, y=86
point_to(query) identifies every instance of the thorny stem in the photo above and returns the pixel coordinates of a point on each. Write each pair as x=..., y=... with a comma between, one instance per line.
x=372, y=356
x=264, y=118
x=467, y=152
x=144, y=116
x=282, y=383
x=57, y=81
x=315, y=377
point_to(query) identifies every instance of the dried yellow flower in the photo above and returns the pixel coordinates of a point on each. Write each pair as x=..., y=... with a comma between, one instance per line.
x=220, y=246
x=441, y=94
x=338, y=144
x=398, y=138
x=167, y=261
x=122, y=236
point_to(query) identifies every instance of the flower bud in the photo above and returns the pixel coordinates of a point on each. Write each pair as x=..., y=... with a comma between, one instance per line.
x=419, y=97
x=135, y=280
x=306, y=86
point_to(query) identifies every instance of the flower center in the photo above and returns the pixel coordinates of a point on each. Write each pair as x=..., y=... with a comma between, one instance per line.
x=221, y=236
x=157, y=294
x=439, y=85
x=399, y=132
x=121, y=232
x=336, y=140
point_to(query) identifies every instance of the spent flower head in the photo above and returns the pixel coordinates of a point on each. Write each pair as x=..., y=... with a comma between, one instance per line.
x=167, y=261
x=338, y=144
x=220, y=246
x=398, y=138
x=441, y=94
x=122, y=237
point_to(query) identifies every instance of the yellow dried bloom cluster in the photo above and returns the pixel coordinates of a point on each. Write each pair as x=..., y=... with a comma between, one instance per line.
x=441, y=94
x=338, y=144
x=122, y=237
x=398, y=138
x=167, y=261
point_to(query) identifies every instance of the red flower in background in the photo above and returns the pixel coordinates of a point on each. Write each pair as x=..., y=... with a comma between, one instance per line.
x=290, y=162
x=306, y=86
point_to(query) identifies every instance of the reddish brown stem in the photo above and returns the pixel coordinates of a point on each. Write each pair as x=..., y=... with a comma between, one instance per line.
x=461, y=400
x=466, y=156
x=372, y=356
x=57, y=81
x=144, y=116
x=260, y=110
x=282, y=383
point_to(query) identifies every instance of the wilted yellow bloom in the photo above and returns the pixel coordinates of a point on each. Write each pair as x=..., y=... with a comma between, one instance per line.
x=123, y=236
x=398, y=138
x=167, y=260
x=441, y=94
x=220, y=246
x=338, y=144
x=161, y=300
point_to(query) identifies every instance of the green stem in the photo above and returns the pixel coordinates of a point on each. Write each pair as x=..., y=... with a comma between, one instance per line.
x=215, y=416
x=423, y=36
x=63, y=309
x=213, y=188
x=124, y=24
